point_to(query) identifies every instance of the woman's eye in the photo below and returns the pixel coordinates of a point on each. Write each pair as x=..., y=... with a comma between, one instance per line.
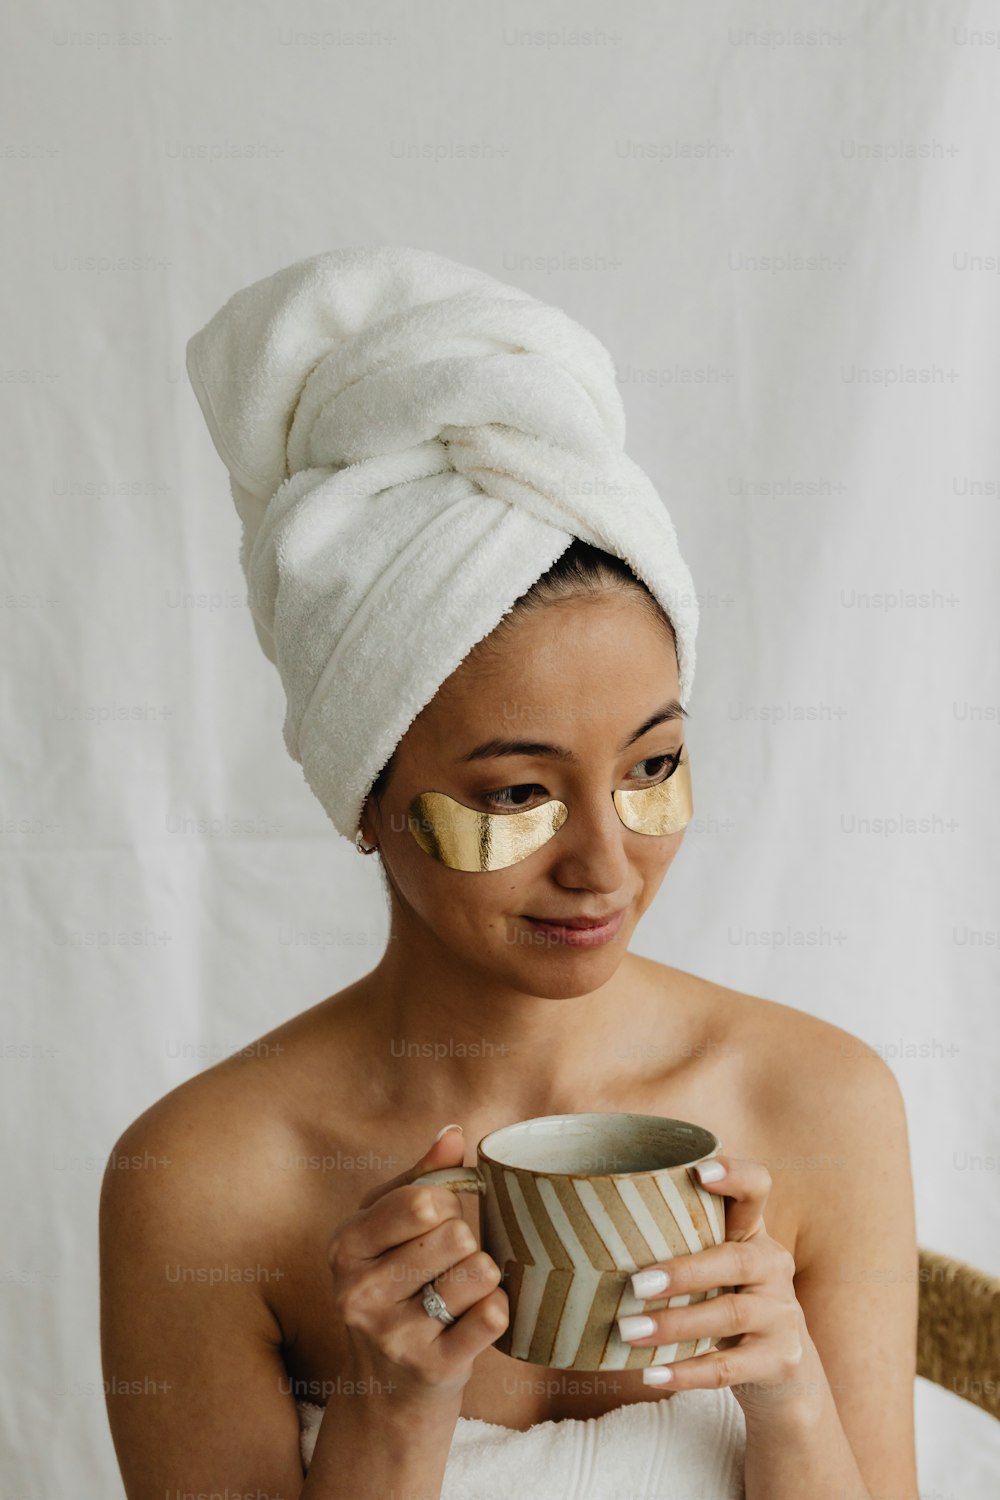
x=515, y=798
x=502, y=800
x=658, y=762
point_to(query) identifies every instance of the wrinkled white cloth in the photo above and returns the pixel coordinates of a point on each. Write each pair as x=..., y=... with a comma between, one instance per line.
x=690, y=1447
x=411, y=443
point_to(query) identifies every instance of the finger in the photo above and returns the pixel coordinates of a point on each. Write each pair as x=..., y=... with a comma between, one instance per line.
x=461, y=1341
x=748, y=1184
x=406, y=1269
x=405, y=1214
x=734, y=1263
x=709, y=1371
x=474, y=1300
x=447, y=1151
x=731, y=1315
x=464, y=1284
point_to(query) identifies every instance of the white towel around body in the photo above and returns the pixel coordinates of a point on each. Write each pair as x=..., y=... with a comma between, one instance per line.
x=690, y=1447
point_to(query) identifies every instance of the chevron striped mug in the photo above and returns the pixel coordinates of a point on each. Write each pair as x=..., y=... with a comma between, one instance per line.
x=571, y=1205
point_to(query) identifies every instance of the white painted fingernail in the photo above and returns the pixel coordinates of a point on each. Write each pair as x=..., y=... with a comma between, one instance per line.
x=710, y=1171
x=442, y=1131
x=649, y=1283
x=657, y=1375
x=638, y=1326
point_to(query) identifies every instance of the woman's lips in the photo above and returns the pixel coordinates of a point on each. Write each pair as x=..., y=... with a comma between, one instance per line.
x=578, y=937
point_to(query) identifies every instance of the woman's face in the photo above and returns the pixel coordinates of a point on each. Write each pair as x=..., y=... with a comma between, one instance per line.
x=582, y=677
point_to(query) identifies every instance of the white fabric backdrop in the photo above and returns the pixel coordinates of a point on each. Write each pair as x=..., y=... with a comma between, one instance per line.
x=823, y=430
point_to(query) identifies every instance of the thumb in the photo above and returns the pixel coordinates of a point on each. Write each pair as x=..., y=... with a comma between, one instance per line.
x=446, y=1150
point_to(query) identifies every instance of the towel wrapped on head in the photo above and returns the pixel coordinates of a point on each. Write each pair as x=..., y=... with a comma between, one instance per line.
x=411, y=444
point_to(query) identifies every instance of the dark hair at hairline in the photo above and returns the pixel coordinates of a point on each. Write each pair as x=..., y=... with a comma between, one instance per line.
x=581, y=570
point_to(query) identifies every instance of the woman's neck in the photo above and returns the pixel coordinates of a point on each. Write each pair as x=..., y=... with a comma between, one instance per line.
x=454, y=1042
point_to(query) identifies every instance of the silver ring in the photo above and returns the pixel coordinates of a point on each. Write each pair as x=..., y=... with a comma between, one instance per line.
x=434, y=1304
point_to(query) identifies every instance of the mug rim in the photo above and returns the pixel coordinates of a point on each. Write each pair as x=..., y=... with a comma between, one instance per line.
x=609, y=1114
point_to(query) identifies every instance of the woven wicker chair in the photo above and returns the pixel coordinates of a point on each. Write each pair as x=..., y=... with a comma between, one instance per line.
x=958, y=1330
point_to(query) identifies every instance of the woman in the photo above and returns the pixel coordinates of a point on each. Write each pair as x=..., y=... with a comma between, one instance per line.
x=267, y=1275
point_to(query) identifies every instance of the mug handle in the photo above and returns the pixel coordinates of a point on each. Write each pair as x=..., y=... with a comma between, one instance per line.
x=459, y=1179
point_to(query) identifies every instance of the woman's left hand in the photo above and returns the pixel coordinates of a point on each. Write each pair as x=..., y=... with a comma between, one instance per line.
x=760, y=1327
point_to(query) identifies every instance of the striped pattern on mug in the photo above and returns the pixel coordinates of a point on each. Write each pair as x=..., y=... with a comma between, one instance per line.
x=567, y=1245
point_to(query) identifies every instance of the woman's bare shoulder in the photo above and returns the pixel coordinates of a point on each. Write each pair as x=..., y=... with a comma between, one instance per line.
x=762, y=1029
x=800, y=1079
x=215, y=1149
x=257, y=1092
x=786, y=1088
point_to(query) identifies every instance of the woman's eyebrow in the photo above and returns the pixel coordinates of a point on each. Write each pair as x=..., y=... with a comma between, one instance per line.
x=494, y=748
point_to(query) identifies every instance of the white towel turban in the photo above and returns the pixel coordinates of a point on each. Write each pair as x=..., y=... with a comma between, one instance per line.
x=411, y=444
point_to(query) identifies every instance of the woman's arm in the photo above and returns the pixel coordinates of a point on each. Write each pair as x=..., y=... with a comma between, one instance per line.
x=819, y=1349
x=190, y=1348
x=198, y=1398
x=857, y=1272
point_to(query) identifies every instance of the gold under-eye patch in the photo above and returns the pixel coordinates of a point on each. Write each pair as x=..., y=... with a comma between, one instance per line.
x=465, y=839
x=664, y=808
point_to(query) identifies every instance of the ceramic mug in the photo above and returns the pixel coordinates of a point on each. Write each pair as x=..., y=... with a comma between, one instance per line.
x=571, y=1205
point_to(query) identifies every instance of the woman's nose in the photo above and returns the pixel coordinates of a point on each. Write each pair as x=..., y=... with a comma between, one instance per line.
x=589, y=849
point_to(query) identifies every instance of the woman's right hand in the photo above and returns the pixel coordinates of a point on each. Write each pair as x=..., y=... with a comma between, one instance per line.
x=402, y=1236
